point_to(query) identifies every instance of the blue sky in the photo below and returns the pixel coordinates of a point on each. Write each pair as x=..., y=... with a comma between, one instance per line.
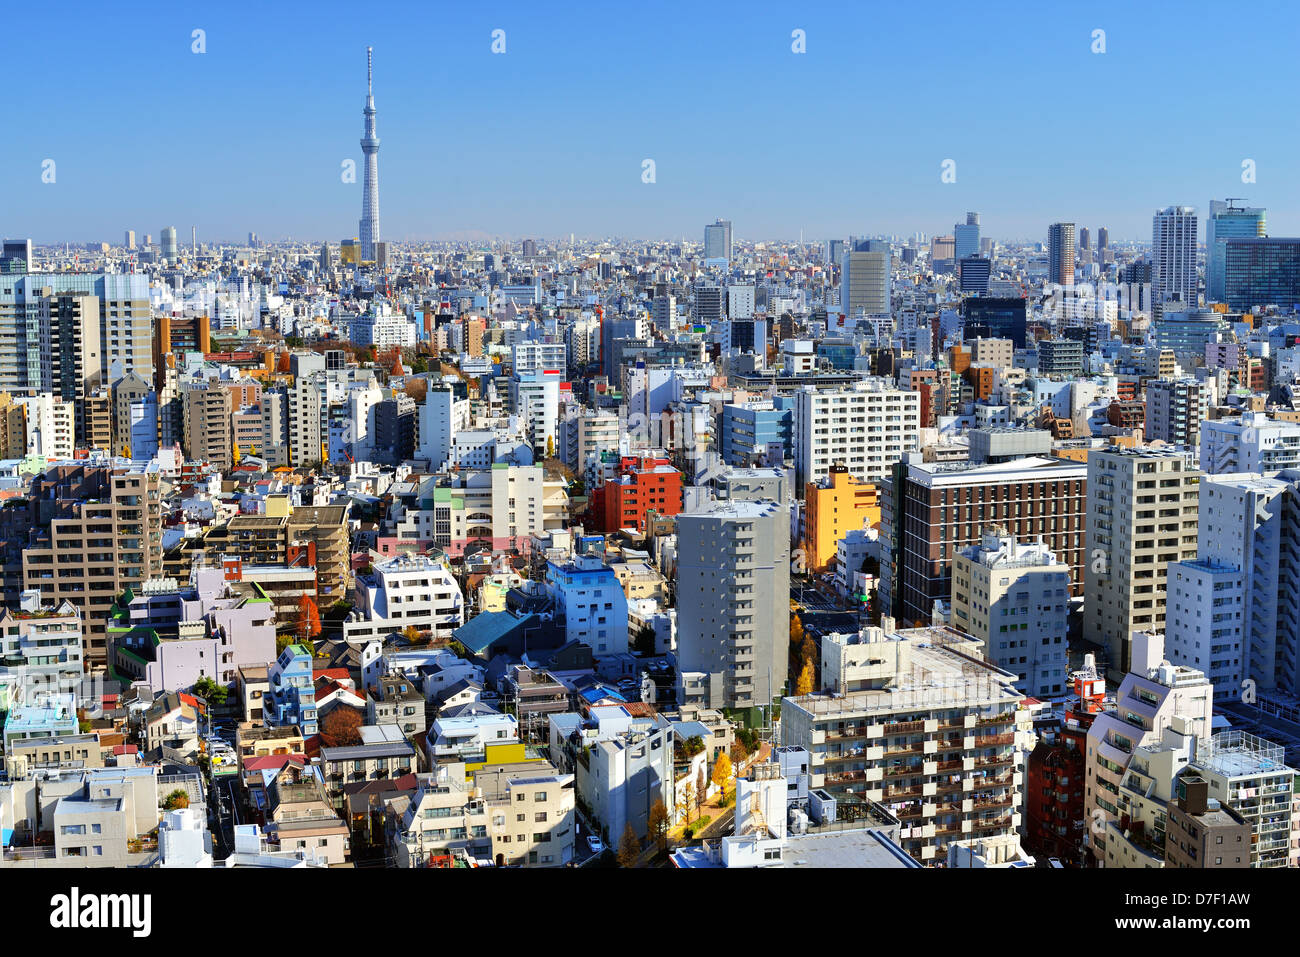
x=549, y=138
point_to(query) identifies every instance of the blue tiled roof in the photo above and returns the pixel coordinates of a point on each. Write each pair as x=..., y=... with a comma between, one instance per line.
x=478, y=634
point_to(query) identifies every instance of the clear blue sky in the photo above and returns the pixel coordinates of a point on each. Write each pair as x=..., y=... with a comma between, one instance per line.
x=549, y=138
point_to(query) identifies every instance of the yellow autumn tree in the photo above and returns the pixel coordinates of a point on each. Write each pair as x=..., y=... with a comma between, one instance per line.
x=805, y=683
x=722, y=770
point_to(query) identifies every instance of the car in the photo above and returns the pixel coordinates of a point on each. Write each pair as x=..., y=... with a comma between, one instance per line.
x=1055, y=862
x=595, y=844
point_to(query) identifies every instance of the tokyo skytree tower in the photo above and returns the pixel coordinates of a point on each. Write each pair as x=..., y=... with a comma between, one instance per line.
x=369, y=227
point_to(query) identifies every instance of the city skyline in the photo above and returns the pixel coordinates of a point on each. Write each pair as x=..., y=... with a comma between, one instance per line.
x=527, y=143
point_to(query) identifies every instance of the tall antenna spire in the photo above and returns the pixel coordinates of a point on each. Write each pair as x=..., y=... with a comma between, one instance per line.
x=370, y=71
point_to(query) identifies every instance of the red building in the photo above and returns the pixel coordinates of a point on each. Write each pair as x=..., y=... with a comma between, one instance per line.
x=1054, y=815
x=642, y=484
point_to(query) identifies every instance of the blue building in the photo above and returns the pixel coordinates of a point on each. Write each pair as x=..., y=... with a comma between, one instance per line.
x=748, y=428
x=293, y=691
x=1226, y=222
x=1261, y=272
x=593, y=603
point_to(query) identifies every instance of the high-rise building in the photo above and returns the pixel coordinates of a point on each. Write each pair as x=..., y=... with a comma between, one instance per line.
x=973, y=274
x=169, y=250
x=1160, y=707
x=833, y=508
x=1261, y=272
x=1173, y=259
x=717, y=240
x=1083, y=237
x=1015, y=598
x=1060, y=254
x=1225, y=222
x=931, y=511
x=1103, y=238
x=1250, y=442
x=130, y=239
x=369, y=226
x=966, y=237
x=867, y=428
x=917, y=721
x=1141, y=517
x=207, y=409
x=865, y=283
x=1251, y=777
x=733, y=614
x=989, y=317
x=101, y=527
x=16, y=257
x=1175, y=410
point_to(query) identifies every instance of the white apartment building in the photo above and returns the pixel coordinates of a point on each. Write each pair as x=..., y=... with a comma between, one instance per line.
x=531, y=355
x=498, y=508
x=50, y=426
x=381, y=328
x=1208, y=623
x=304, y=415
x=586, y=434
x=535, y=397
x=409, y=591
x=441, y=416
x=919, y=723
x=1015, y=598
x=867, y=428
x=1250, y=775
x=740, y=302
x=1250, y=630
x=1156, y=696
x=1251, y=442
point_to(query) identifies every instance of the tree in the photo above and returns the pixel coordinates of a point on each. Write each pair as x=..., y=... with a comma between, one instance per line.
x=701, y=789
x=739, y=752
x=308, y=618
x=657, y=823
x=210, y=691
x=629, y=848
x=176, y=800
x=342, y=725
x=234, y=454
x=550, y=446
x=805, y=685
x=808, y=650
x=796, y=630
x=688, y=801
x=722, y=771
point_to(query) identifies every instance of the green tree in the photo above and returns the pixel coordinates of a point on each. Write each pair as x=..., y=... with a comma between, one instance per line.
x=657, y=823
x=210, y=691
x=629, y=848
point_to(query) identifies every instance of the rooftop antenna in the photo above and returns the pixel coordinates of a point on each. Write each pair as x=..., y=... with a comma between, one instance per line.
x=370, y=71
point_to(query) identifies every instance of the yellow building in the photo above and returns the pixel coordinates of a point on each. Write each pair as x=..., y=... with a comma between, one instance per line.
x=837, y=505
x=350, y=251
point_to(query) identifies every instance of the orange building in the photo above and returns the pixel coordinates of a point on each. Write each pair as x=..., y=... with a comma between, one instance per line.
x=837, y=505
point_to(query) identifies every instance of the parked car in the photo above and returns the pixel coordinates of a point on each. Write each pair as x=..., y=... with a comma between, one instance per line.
x=595, y=844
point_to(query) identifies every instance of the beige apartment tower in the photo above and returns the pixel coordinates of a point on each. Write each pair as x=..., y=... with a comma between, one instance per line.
x=1142, y=515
